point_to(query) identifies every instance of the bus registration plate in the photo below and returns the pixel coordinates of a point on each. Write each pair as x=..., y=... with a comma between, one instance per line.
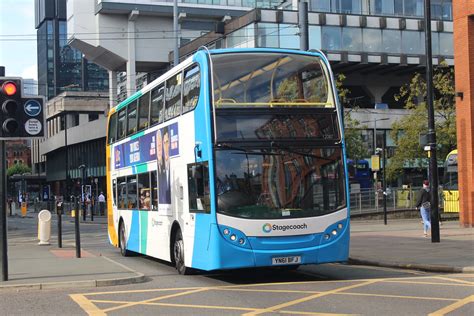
x=286, y=260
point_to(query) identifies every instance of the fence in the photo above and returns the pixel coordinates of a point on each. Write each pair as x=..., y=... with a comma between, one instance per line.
x=371, y=201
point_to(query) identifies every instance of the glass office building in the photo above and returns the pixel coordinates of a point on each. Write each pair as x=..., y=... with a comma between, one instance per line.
x=61, y=67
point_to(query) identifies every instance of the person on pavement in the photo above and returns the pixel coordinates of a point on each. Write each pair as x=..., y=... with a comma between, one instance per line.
x=101, y=203
x=424, y=205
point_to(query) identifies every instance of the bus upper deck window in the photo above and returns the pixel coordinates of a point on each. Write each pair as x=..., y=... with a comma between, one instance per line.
x=112, y=132
x=122, y=124
x=143, y=109
x=156, y=109
x=191, y=88
x=173, y=97
x=132, y=118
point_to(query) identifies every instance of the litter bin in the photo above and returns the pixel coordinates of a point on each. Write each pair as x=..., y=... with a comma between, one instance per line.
x=44, y=227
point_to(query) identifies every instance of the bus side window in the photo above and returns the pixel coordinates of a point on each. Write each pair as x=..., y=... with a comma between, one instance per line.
x=191, y=88
x=132, y=118
x=154, y=191
x=156, y=110
x=122, y=116
x=132, y=192
x=122, y=193
x=173, y=97
x=114, y=191
x=144, y=202
x=112, y=132
x=198, y=188
x=143, y=111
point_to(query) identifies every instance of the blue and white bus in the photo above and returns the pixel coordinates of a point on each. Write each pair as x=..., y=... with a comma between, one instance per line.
x=234, y=158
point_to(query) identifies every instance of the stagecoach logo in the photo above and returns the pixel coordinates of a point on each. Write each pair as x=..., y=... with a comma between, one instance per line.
x=267, y=228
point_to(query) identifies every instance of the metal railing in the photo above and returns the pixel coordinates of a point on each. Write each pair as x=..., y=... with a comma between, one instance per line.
x=371, y=201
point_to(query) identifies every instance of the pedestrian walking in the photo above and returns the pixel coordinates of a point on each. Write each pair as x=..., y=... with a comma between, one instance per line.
x=101, y=203
x=424, y=205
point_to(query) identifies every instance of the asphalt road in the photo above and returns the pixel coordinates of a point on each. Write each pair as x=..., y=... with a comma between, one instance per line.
x=331, y=289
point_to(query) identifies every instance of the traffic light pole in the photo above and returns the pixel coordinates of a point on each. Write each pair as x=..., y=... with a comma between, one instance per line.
x=3, y=205
x=3, y=212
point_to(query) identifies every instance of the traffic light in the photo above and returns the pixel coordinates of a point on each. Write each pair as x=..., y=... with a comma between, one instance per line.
x=20, y=116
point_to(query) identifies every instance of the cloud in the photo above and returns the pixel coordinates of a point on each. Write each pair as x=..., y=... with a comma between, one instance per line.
x=30, y=72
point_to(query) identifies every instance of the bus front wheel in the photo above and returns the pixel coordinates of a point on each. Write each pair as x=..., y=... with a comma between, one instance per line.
x=178, y=253
x=123, y=241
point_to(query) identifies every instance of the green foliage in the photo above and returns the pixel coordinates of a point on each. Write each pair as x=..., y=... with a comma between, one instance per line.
x=407, y=130
x=355, y=146
x=18, y=169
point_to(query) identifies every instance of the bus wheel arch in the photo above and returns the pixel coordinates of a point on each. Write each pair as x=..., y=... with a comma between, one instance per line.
x=122, y=239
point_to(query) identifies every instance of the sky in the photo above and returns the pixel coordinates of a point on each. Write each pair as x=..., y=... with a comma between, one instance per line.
x=18, y=38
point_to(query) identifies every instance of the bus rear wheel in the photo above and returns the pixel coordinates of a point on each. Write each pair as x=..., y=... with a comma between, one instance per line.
x=123, y=241
x=178, y=254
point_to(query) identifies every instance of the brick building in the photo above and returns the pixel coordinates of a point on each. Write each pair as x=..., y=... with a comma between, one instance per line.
x=18, y=152
x=464, y=72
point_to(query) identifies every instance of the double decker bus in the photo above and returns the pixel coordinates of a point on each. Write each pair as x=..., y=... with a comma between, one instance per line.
x=359, y=172
x=234, y=158
x=450, y=183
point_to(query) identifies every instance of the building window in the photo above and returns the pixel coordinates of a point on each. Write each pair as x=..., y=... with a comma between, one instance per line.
x=93, y=117
x=75, y=120
x=413, y=42
x=331, y=38
x=352, y=39
x=267, y=35
x=314, y=36
x=372, y=40
x=391, y=41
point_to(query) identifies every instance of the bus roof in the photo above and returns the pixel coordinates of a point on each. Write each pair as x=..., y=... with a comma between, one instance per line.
x=190, y=59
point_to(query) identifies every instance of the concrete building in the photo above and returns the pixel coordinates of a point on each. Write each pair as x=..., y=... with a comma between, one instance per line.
x=133, y=36
x=75, y=89
x=377, y=44
x=76, y=121
x=377, y=48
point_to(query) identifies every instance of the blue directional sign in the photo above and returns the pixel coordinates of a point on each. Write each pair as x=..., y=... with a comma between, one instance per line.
x=32, y=107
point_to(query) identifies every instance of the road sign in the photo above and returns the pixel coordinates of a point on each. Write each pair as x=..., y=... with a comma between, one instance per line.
x=375, y=159
x=33, y=127
x=32, y=107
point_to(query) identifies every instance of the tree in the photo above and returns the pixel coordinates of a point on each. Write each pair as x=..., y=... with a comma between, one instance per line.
x=406, y=131
x=18, y=169
x=355, y=146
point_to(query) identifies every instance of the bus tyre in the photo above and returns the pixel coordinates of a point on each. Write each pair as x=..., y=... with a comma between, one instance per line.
x=123, y=241
x=178, y=253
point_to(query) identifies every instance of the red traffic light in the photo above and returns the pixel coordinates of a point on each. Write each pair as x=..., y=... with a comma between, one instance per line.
x=9, y=88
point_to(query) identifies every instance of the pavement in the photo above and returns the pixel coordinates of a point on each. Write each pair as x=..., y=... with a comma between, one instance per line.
x=400, y=244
